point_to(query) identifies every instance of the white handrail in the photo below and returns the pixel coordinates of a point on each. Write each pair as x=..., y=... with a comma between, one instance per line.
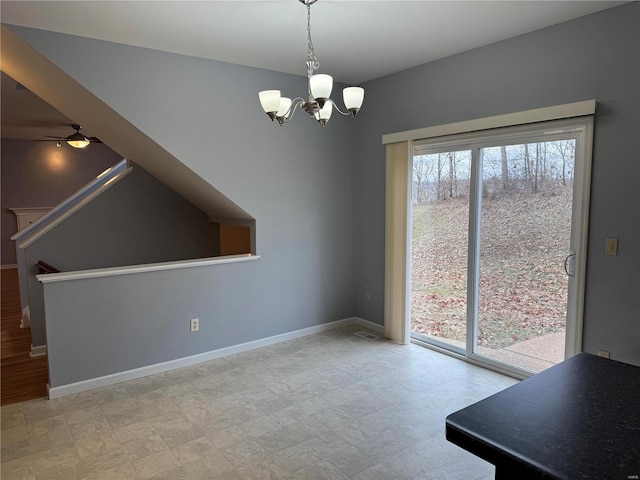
x=54, y=216
x=150, y=267
x=74, y=203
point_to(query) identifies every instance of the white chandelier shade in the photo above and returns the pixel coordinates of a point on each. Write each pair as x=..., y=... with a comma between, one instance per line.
x=321, y=86
x=353, y=97
x=270, y=101
x=324, y=114
x=319, y=104
x=285, y=105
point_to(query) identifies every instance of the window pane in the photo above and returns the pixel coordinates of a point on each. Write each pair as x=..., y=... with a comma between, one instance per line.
x=440, y=198
x=525, y=233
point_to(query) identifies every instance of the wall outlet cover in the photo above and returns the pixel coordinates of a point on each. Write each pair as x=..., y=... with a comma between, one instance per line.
x=195, y=324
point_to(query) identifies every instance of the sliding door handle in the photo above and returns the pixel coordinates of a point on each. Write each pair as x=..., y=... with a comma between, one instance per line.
x=569, y=264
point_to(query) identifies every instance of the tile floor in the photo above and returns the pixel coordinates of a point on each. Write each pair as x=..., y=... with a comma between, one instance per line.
x=326, y=406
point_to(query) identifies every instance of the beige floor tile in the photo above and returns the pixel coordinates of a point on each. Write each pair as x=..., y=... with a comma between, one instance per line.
x=268, y=469
x=322, y=470
x=11, y=416
x=351, y=461
x=77, y=416
x=58, y=463
x=96, y=445
x=284, y=437
x=78, y=401
x=193, y=450
x=105, y=461
x=18, y=469
x=175, y=429
x=156, y=465
x=94, y=427
x=40, y=409
x=260, y=426
x=48, y=434
x=297, y=457
x=176, y=389
x=226, y=438
x=461, y=466
x=156, y=403
x=211, y=380
x=110, y=394
x=121, y=472
x=326, y=406
x=14, y=435
x=327, y=444
x=378, y=472
x=245, y=454
x=122, y=412
x=143, y=447
x=211, y=466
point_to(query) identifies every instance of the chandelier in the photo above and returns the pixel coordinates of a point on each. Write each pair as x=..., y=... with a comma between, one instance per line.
x=318, y=105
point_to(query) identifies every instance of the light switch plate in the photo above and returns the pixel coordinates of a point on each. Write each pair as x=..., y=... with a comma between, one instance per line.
x=611, y=246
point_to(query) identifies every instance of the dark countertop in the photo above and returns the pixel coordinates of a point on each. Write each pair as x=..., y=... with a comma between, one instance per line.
x=577, y=420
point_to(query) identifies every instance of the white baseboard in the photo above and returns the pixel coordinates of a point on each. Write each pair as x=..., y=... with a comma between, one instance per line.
x=90, y=384
x=361, y=322
x=8, y=266
x=38, y=351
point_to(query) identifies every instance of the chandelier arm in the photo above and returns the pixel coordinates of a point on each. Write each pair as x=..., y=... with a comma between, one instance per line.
x=335, y=105
x=295, y=103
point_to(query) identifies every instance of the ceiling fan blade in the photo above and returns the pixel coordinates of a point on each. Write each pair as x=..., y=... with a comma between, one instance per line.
x=94, y=140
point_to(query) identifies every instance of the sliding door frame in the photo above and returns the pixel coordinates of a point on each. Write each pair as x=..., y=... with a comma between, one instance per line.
x=520, y=125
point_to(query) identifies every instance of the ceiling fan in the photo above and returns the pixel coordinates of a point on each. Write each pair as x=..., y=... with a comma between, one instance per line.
x=76, y=140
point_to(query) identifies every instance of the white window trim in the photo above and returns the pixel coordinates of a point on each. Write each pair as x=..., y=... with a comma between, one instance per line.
x=556, y=112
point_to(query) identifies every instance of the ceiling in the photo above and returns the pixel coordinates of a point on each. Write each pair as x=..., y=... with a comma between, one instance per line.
x=355, y=41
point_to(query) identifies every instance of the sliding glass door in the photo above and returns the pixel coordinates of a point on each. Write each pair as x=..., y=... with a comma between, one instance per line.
x=440, y=232
x=494, y=221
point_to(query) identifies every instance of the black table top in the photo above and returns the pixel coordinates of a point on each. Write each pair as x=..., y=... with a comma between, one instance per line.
x=577, y=420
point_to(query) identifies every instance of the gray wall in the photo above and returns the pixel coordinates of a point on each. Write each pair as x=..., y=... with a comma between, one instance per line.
x=594, y=57
x=39, y=174
x=296, y=181
x=136, y=221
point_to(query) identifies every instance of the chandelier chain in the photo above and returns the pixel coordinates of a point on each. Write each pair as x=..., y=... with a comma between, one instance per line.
x=312, y=60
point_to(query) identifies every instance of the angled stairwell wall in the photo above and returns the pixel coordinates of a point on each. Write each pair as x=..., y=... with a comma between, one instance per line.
x=138, y=220
x=65, y=208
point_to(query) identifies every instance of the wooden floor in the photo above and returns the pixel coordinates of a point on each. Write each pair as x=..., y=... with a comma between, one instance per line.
x=21, y=377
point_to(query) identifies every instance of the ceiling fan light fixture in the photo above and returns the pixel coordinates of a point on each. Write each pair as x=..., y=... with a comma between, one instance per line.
x=318, y=105
x=77, y=140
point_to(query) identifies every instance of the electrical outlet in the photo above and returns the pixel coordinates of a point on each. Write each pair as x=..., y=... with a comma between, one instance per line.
x=195, y=324
x=603, y=354
x=367, y=297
